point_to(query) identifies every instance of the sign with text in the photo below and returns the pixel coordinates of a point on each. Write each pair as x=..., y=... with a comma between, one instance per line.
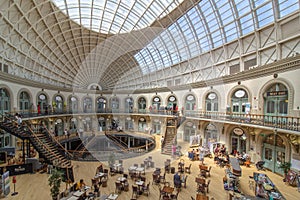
x=277, y=93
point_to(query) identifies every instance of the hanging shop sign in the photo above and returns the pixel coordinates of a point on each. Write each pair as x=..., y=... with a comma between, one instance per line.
x=238, y=131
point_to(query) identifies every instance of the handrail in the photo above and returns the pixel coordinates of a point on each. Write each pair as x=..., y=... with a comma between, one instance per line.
x=45, y=146
x=283, y=122
x=56, y=141
x=115, y=141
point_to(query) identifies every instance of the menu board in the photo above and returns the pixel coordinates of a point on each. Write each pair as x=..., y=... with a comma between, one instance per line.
x=5, y=183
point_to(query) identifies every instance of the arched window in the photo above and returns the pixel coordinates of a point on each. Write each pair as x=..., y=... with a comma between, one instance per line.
x=101, y=105
x=129, y=123
x=102, y=124
x=156, y=126
x=73, y=104
x=87, y=124
x=156, y=102
x=24, y=102
x=211, y=134
x=4, y=101
x=73, y=125
x=115, y=104
x=42, y=104
x=142, y=124
x=59, y=127
x=87, y=105
x=189, y=131
x=142, y=105
x=172, y=104
x=190, y=102
x=240, y=102
x=276, y=100
x=58, y=104
x=129, y=105
x=211, y=102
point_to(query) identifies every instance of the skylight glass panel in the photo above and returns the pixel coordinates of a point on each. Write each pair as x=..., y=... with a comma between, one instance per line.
x=257, y=3
x=265, y=15
x=247, y=24
x=225, y=11
x=288, y=6
x=135, y=10
x=231, y=32
x=243, y=7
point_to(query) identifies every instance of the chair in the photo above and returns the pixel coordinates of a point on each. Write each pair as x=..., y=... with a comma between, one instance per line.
x=167, y=184
x=161, y=192
x=174, y=196
x=146, y=189
x=126, y=186
x=136, y=165
x=121, y=162
x=118, y=187
x=105, y=171
x=135, y=191
x=184, y=182
x=207, y=185
x=104, y=182
x=208, y=171
x=155, y=179
x=188, y=169
x=143, y=178
x=112, y=171
x=162, y=179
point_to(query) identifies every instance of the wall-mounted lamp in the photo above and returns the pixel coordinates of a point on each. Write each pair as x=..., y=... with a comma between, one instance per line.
x=244, y=137
x=43, y=89
x=211, y=87
x=275, y=75
x=239, y=82
x=58, y=91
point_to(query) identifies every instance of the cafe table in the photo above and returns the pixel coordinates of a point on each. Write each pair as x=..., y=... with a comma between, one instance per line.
x=112, y=196
x=168, y=189
x=78, y=193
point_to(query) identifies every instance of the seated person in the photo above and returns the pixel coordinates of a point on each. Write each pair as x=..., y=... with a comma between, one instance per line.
x=80, y=185
x=96, y=190
x=260, y=191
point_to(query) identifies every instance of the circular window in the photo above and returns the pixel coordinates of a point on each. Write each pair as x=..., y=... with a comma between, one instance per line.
x=42, y=97
x=172, y=98
x=73, y=99
x=239, y=93
x=212, y=96
x=190, y=98
x=156, y=99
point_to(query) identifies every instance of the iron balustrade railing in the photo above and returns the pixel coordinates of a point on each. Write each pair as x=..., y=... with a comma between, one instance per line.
x=283, y=122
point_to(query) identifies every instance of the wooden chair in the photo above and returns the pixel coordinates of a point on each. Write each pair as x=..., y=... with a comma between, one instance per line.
x=174, y=196
x=188, y=169
x=135, y=191
x=155, y=179
x=184, y=182
x=208, y=171
x=162, y=179
x=146, y=189
x=207, y=185
x=119, y=187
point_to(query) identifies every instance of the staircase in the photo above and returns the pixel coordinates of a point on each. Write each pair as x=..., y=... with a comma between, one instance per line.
x=171, y=132
x=44, y=144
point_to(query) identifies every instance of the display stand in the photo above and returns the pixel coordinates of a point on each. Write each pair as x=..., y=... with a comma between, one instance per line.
x=231, y=182
x=268, y=185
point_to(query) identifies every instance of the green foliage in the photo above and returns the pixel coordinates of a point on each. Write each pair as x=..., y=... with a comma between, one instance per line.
x=54, y=182
x=285, y=166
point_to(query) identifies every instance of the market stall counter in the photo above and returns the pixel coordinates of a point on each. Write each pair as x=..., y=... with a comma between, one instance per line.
x=265, y=188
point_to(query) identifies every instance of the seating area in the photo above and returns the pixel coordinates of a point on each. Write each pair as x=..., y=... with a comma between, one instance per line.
x=197, y=181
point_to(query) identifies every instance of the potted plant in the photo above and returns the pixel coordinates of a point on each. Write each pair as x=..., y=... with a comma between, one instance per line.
x=285, y=166
x=54, y=181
